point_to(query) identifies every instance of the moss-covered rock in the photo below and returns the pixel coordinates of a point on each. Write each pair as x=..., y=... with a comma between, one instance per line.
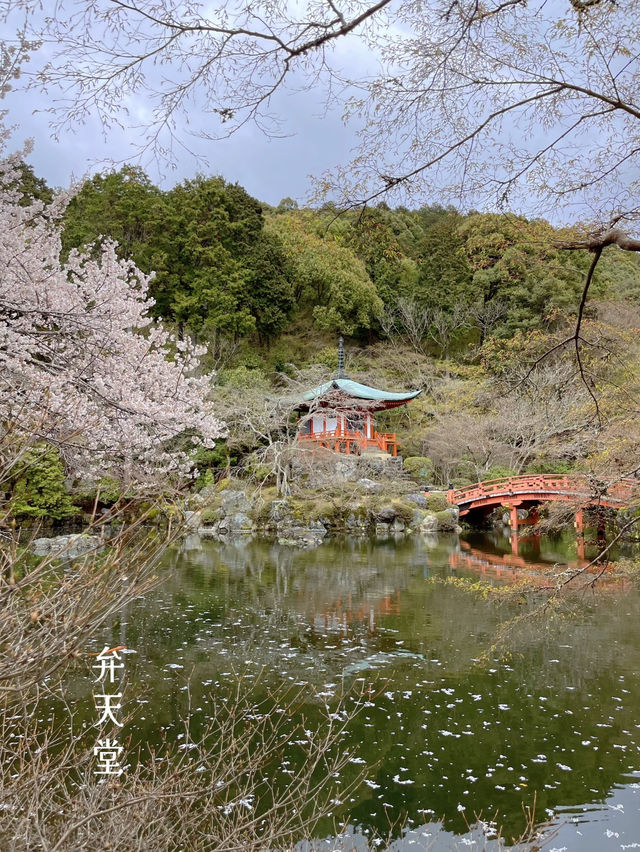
x=236, y=523
x=234, y=501
x=309, y=514
x=429, y=523
x=387, y=511
x=209, y=516
x=261, y=508
x=404, y=510
x=447, y=521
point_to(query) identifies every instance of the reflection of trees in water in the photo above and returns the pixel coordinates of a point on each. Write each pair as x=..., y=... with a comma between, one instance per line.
x=570, y=680
x=275, y=606
x=308, y=581
x=259, y=591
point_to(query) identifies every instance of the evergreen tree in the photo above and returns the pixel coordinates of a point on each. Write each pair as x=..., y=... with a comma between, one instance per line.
x=38, y=489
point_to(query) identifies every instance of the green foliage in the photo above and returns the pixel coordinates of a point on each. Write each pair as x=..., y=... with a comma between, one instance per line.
x=550, y=465
x=446, y=521
x=257, y=470
x=270, y=285
x=244, y=378
x=203, y=281
x=208, y=462
x=287, y=205
x=123, y=206
x=618, y=276
x=209, y=515
x=419, y=468
x=373, y=241
x=498, y=471
x=465, y=471
x=224, y=271
x=437, y=502
x=462, y=481
x=32, y=188
x=110, y=490
x=330, y=282
x=38, y=489
x=521, y=279
x=216, y=270
x=445, y=278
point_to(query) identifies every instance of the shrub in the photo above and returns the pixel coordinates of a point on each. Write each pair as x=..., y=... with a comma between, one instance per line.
x=437, y=502
x=462, y=481
x=464, y=470
x=258, y=470
x=209, y=515
x=208, y=461
x=499, y=471
x=244, y=378
x=419, y=468
x=110, y=490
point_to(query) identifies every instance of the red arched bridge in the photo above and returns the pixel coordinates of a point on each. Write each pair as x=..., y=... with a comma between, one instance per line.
x=529, y=490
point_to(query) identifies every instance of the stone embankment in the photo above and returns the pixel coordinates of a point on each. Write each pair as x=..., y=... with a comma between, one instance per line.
x=366, y=508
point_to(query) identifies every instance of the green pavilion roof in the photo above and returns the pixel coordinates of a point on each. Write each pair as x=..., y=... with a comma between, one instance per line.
x=357, y=391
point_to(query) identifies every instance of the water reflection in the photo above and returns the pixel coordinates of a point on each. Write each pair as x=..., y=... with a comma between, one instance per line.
x=445, y=735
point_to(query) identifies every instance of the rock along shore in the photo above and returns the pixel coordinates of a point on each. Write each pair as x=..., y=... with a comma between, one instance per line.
x=365, y=508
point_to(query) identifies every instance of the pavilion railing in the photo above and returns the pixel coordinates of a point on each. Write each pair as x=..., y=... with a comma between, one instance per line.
x=347, y=441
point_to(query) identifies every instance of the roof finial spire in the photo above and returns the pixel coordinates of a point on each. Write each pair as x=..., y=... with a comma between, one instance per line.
x=340, y=374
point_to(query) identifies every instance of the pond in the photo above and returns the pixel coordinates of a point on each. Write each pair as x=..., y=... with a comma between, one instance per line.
x=453, y=726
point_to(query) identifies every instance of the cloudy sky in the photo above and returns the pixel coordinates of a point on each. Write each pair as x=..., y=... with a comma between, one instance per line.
x=313, y=140
x=413, y=127
x=270, y=169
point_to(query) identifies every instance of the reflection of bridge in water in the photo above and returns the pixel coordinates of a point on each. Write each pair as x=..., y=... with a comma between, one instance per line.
x=336, y=611
x=511, y=567
x=506, y=566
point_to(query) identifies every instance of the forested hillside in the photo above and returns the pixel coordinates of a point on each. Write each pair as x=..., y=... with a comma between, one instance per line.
x=227, y=266
x=459, y=304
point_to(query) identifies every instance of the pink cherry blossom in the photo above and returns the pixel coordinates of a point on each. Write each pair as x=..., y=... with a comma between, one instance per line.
x=82, y=363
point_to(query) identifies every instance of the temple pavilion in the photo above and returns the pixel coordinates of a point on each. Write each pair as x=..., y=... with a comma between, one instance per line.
x=340, y=415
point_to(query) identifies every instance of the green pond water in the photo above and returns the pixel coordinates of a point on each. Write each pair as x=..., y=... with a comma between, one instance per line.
x=450, y=728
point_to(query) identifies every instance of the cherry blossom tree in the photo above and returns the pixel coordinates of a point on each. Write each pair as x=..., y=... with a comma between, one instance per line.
x=82, y=365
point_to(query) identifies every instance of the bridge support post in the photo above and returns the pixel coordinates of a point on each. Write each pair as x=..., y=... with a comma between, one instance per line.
x=579, y=522
x=513, y=518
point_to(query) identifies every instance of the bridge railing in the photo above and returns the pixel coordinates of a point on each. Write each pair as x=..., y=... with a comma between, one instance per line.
x=545, y=483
